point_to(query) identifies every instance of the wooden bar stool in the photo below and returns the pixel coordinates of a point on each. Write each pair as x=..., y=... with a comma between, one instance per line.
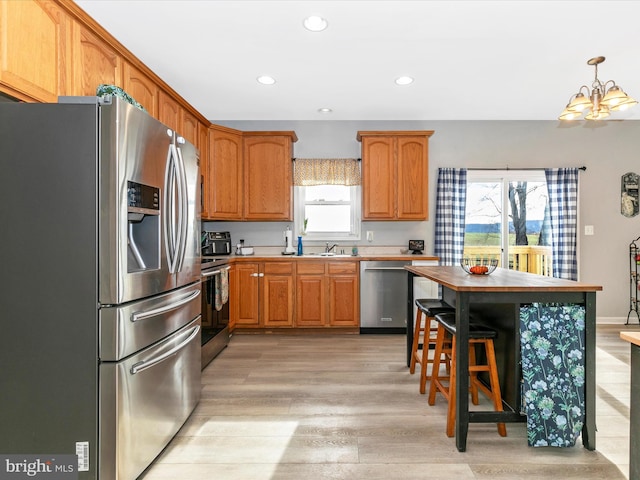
x=478, y=335
x=427, y=330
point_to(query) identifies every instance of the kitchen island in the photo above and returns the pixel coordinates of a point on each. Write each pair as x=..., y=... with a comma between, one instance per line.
x=497, y=298
x=634, y=428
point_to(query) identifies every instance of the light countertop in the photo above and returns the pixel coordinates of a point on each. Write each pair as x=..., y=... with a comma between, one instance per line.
x=632, y=337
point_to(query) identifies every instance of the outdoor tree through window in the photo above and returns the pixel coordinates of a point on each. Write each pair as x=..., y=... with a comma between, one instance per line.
x=507, y=218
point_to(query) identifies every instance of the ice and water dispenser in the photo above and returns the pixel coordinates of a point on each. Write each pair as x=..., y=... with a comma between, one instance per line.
x=143, y=217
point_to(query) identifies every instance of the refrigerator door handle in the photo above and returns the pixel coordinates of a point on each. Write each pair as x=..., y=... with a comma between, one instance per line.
x=137, y=316
x=172, y=215
x=182, y=207
x=139, y=367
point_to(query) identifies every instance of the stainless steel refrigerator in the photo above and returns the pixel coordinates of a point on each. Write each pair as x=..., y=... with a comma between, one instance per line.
x=99, y=306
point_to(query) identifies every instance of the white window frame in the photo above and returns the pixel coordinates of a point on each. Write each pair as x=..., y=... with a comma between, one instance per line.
x=504, y=177
x=356, y=218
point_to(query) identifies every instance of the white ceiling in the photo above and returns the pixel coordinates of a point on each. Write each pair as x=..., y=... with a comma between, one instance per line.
x=471, y=60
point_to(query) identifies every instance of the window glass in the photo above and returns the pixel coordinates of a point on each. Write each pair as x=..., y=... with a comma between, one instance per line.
x=329, y=212
x=507, y=219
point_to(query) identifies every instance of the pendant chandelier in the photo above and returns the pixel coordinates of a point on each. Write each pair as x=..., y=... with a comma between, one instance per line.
x=599, y=102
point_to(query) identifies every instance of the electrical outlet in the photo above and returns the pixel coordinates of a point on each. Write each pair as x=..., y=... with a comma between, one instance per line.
x=369, y=236
x=588, y=230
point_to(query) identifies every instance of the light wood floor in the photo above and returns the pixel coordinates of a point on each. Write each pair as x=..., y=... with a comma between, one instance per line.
x=345, y=407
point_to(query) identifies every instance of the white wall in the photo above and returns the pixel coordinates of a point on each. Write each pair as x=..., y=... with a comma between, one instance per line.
x=608, y=150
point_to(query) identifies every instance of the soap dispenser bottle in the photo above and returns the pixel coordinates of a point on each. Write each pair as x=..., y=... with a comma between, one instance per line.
x=300, y=245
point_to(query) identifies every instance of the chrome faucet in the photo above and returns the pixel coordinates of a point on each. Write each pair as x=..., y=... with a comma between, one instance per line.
x=329, y=248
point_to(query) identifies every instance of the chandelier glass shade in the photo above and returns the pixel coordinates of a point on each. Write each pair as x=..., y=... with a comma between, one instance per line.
x=599, y=102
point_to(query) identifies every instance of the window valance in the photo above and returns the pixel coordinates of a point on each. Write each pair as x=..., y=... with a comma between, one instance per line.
x=326, y=171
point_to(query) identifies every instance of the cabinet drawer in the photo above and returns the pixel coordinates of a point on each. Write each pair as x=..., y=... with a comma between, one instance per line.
x=342, y=267
x=283, y=268
x=305, y=268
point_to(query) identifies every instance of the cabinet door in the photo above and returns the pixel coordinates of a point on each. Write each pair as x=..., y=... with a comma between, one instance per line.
x=412, y=175
x=245, y=302
x=189, y=128
x=233, y=295
x=268, y=178
x=277, y=301
x=277, y=294
x=344, y=294
x=224, y=176
x=203, y=132
x=94, y=63
x=378, y=178
x=34, y=37
x=141, y=88
x=311, y=287
x=169, y=111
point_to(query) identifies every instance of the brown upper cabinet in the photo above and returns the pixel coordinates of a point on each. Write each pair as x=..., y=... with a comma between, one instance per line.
x=203, y=147
x=189, y=128
x=268, y=175
x=35, y=38
x=395, y=174
x=250, y=175
x=144, y=90
x=52, y=48
x=223, y=181
x=94, y=62
x=169, y=111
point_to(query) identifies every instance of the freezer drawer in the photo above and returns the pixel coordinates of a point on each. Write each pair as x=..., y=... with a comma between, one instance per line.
x=128, y=328
x=145, y=399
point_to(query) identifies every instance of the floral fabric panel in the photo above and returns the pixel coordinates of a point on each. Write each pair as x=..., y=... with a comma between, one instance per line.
x=553, y=371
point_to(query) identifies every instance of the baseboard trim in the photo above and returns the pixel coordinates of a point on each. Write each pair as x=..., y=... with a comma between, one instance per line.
x=633, y=320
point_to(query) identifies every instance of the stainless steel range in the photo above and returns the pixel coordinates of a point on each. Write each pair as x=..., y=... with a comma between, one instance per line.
x=215, y=307
x=100, y=342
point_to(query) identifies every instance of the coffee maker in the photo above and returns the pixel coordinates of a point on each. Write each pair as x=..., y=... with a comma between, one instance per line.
x=288, y=242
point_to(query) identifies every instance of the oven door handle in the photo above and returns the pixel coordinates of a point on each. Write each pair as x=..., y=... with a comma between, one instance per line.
x=215, y=272
x=139, y=367
x=137, y=316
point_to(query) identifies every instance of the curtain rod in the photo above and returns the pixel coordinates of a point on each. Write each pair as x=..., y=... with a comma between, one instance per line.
x=583, y=168
x=358, y=159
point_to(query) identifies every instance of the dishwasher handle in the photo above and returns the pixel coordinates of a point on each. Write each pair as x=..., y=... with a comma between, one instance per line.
x=383, y=268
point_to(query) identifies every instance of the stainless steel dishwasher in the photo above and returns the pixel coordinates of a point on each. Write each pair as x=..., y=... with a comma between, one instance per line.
x=383, y=296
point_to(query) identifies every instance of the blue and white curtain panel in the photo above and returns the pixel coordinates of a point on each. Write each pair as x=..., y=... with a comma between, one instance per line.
x=451, y=200
x=562, y=185
x=553, y=371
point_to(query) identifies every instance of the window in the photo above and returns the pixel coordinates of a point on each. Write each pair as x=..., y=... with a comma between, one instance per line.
x=332, y=212
x=507, y=218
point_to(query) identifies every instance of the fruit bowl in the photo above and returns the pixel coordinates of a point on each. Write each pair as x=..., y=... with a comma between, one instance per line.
x=479, y=266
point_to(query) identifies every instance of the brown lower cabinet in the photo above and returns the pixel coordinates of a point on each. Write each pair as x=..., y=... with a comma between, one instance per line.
x=327, y=294
x=294, y=294
x=262, y=295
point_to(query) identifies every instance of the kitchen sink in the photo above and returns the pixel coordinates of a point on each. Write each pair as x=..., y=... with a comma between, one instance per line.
x=326, y=254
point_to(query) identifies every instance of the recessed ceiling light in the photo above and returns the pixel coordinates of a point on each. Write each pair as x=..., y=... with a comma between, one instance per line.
x=315, y=23
x=266, y=80
x=404, y=80
x=325, y=110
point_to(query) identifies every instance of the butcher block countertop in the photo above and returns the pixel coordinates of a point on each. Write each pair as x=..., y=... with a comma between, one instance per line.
x=501, y=280
x=632, y=337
